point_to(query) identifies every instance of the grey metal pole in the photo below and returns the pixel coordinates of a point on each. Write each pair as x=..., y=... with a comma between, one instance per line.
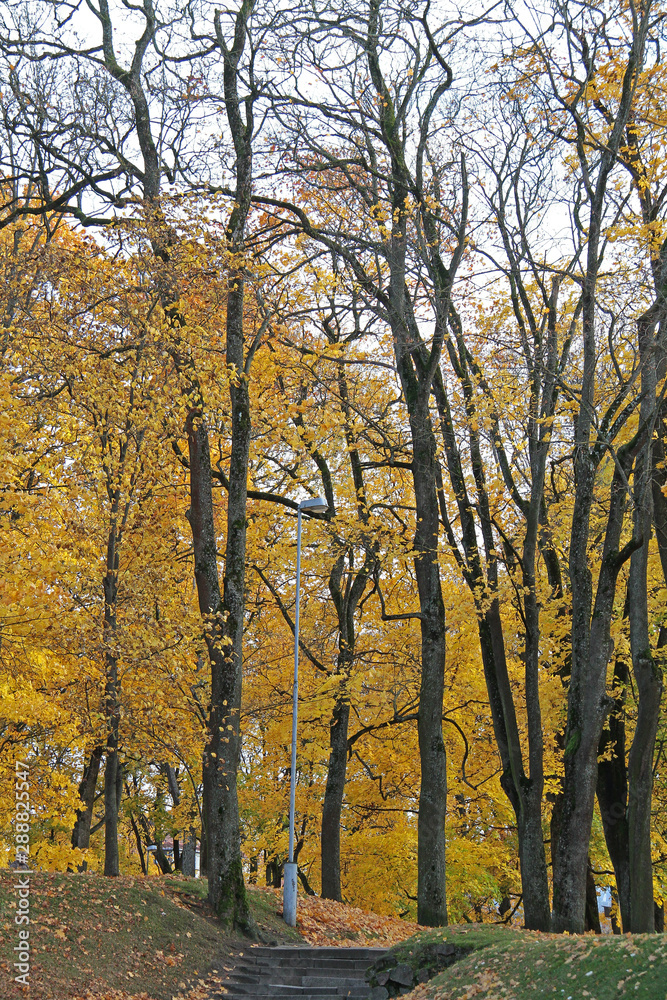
x=289, y=881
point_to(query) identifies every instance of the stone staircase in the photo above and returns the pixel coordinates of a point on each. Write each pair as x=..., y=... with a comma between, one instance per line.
x=298, y=973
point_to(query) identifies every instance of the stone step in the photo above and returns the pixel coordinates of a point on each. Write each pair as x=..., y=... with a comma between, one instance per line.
x=342, y=972
x=330, y=961
x=299, y=983
x=278, y=994
x=283, y=992
x=297, y=976
x=341, y=969
x=280, y=982
x=271, y=954
x=314, y=962
x=298, y=989
x=301, y=973
x=338, y=982
x=309, y=968
x=295, y=993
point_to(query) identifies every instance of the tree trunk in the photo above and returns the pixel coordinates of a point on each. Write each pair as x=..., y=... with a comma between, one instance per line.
x=226, y=889
x=112, y=771
x=140, y=849
x=591, y=911
x=225, y=873
x=640, y=758
x=162, y=859
x=592, y=921
x=303, y=878
x=188, y=866
x=333, y=800
x=172, y=781
x=417, y=365
x=203, y=854
x=612, y=793
x=87, y=788
x=534, y=876
x=646, y=671
x=274, y=873
x=346, y=601
x=533, y=862
x=112, y=775
x=525, y=794
x=588, y=703
x=431, y=890
x=640, y=789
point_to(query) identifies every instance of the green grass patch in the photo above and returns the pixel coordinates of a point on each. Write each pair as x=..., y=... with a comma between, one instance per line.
x=150, y=935
x=512, y=964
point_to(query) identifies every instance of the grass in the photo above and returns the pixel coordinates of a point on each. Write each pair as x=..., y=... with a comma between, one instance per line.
x=132, y=935
x=512, y=964
x=157, y=939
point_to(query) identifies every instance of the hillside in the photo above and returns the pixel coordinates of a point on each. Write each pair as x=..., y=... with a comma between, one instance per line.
x=511, y=964
x=156, y=939
x=116, y=938
x=94, y=935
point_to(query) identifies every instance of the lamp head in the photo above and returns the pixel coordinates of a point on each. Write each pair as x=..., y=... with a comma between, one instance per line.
x=314, y=505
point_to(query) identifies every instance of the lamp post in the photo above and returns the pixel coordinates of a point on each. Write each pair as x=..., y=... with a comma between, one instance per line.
x=314, y=505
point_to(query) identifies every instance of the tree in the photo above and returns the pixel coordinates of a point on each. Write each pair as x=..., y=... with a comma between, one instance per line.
x=110, y=79
x=372, y=110
x=568, y=100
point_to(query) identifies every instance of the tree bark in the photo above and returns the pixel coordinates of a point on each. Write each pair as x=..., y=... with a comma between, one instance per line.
x=203, y=854
x=112, y=770
x=592, y=609
x=346, y=592
x=333, y=801
x=588, y=703
x=188, y=866
x=612, y=792
x=226, y=889
x=650, y=509
x=87, y=788
x=111, y=803
x=525, y=794
x=592, y=921
x=417, y=368
x=140, y=848
x=225, y=873
x=647, y=673
x=640, y=759
x=431, y=892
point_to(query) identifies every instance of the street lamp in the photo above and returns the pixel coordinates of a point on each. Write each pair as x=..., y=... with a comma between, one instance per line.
x=314, y=505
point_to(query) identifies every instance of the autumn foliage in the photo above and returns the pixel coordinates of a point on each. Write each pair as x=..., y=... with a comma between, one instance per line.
x=448, y=315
